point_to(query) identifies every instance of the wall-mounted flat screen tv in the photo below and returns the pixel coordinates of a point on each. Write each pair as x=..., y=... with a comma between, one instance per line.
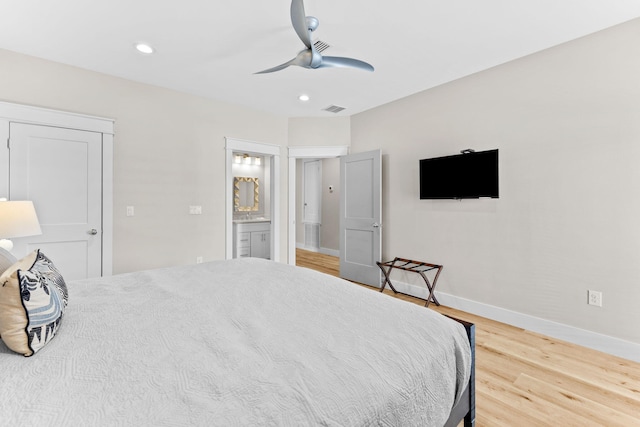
x=462, y=176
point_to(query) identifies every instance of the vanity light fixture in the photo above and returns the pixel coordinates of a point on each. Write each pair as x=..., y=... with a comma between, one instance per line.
x=144, y=48
x=246, y=159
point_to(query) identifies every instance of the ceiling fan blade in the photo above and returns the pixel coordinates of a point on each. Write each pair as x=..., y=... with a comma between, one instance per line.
x=299, y=21
x=338, y=61
x=277, y=68
x=303, y=59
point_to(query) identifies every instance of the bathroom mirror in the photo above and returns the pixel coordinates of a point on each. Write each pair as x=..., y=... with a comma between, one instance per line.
x=246, y=194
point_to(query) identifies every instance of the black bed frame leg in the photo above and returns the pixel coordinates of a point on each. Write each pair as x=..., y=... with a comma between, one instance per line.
x=470, y=418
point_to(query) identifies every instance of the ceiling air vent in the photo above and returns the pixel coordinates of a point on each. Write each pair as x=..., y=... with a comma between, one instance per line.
x=333, y=108
x=320, y=46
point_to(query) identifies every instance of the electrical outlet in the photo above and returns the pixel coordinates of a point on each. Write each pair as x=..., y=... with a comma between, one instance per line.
x=595, y=298
x=199, y=260
x=195, y=210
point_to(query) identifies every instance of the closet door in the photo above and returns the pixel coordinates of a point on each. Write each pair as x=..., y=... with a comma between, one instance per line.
x=60, y=170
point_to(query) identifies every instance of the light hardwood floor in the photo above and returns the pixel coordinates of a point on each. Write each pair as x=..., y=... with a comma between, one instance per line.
x=527, y=379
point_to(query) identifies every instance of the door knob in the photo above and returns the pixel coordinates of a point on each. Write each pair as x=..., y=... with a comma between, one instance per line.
x=376, y=225
x=93, y=231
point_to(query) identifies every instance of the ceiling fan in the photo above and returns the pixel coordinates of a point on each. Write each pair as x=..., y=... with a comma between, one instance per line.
x=310, y=57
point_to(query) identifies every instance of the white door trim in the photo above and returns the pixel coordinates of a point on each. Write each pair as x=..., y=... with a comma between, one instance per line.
x=317, y=152
x=44, y=116
x=20, y=113
x=107, y=203
x=231, y=145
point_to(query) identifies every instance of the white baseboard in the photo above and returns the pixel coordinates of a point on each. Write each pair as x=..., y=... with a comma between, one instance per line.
x=326, y=251
x=332, y=252
x=596, y=341
x=306, y=248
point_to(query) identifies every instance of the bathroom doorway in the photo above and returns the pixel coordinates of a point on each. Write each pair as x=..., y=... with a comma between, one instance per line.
x=252, y=199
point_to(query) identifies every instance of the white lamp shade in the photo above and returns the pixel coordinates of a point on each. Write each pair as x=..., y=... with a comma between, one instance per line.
x=18, y=219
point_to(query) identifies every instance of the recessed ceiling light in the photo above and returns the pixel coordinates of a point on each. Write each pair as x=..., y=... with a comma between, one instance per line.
x=144, y=48
x=304, y=98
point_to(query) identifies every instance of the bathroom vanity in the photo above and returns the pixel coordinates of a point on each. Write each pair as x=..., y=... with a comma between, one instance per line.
x=252, y=238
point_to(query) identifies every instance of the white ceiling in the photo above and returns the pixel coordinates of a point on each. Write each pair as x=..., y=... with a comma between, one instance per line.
x=212, y=48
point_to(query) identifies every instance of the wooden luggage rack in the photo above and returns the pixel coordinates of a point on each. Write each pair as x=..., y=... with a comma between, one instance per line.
x=414, y=266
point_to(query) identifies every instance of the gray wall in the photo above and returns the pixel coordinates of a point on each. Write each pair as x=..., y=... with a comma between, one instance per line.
x=567, y=124
x=330, y=231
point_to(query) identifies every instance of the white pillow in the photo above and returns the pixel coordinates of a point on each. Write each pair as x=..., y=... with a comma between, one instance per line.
x=6, y=260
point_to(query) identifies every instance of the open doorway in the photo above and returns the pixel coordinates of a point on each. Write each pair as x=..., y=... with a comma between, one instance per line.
x=360, y=218
x=318, y=205
x=296, y=156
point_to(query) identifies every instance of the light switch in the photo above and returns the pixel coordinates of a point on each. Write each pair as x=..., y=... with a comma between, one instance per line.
x=130, y=211
x=195, y=210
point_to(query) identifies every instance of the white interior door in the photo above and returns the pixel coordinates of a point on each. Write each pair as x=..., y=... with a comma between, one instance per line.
x=361, y=217
x=312, y=191
x=60, y=170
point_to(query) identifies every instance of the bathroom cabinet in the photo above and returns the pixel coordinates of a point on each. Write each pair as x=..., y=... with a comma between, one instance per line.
x=252, y=239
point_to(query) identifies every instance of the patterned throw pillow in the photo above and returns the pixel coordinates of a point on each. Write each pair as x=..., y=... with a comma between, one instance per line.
x=33, y=297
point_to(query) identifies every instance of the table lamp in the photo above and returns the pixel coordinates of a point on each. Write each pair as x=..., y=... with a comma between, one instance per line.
x=17, y=219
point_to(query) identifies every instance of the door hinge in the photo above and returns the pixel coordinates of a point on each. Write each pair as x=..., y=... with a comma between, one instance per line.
x=8, y=147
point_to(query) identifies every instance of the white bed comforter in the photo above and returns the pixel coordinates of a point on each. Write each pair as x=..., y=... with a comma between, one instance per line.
x=237, y=343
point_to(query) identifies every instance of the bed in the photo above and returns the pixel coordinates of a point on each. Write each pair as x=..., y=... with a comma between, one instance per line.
x=245, y=342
